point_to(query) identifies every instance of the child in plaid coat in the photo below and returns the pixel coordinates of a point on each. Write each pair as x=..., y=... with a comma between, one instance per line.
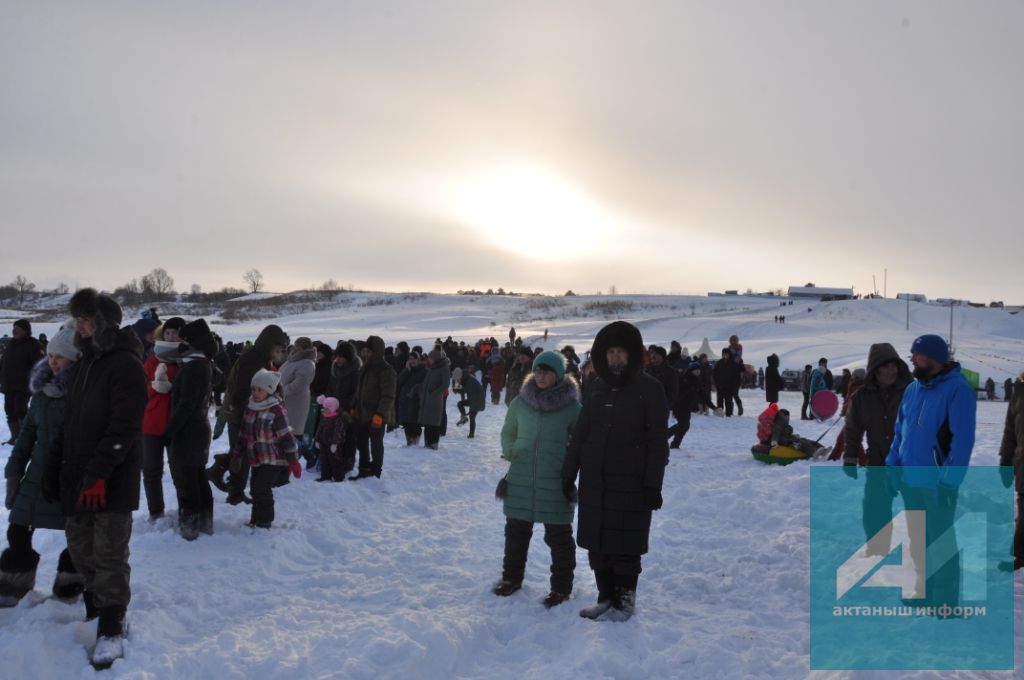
x=266, y=440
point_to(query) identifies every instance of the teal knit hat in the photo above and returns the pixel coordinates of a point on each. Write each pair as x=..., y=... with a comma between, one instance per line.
x=552, y=360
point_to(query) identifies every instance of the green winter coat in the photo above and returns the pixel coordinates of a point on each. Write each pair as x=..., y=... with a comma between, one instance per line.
x=534, y=439
x=45, y=418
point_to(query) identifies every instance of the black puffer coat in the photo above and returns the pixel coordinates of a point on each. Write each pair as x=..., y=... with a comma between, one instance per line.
x=772, y=380
x=102, y=433
x=189, y=427
x=619, y=447
x=873, y=409
x=410, y=386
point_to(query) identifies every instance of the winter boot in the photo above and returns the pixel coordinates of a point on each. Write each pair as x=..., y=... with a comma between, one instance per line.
x=90, y=606
x=554, y=599
x=236, y=497
x=215, y=473
x=14, y=425
x=605, y=579
x=206, y=522
x=624, y=601
x=68, y=584
x=109, y=638
x=189, y=527
x=17, y=576
x=505, y=588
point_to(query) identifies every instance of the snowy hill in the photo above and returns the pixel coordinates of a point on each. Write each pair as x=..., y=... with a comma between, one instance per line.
x=390, y=578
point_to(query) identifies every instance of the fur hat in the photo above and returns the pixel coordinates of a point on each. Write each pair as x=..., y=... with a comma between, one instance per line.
x=618, y=334
x=657, y=349
x=24, y=325
x=63, y=343
x=551, y=360
x=197, y=334
x=346, y=351
x=266, y=380
x=330, y=404
x=88, y=302
x=175, y=323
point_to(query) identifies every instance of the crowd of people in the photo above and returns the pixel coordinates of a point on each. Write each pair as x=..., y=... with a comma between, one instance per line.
x=97, y=411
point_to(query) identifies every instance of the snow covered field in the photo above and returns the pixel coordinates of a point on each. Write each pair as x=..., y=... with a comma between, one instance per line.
x=391, y=577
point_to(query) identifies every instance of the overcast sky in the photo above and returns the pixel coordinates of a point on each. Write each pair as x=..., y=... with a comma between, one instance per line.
x=538, y=146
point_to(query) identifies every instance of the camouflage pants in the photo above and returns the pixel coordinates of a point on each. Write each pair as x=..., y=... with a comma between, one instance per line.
x=98, y=542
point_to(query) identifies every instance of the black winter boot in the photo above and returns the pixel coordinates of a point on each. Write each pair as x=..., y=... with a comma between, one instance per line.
x=68, y=584
x=17, y=576
x=206, y=522
x=624, y=601
x=605, y=579
x=110, y=636
x=90, y=606
x=215, y=473
x=189, y=527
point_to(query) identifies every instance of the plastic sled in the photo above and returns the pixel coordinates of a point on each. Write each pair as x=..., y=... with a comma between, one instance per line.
x=824, y=404
x=779, y=455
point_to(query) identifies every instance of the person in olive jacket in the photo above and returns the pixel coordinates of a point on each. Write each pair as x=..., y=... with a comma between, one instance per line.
x=375, y=407
x=24, y=472
x=188, y=430
x=537, y=428
x=872, y=410
x=1011, y=458
x=94, y=465
x=619, y=449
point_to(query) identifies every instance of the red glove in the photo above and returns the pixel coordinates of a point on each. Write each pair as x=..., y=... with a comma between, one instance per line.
x=94, y=497
x=295, y=468
x=377, y=421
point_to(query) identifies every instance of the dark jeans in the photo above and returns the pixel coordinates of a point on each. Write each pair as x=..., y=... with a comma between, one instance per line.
x=877, y=510
x=370, y=442
x=803, y=407
x=336, y=465
x=728, y=397
x=264, y=479
x=431, y=434
x=98, y=542
x=16, y=408
x=237, y=479
x=1018, y=533
x=471, y=415
x=193, y=487
x=682, y=426
x=558, y=537
x=153, y=472
x=943, y=587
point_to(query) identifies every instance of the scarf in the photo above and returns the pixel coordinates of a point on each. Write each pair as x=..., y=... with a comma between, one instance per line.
x=269, y=402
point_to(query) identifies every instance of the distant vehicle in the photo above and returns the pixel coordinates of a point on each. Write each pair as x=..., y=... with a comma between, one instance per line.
x=791, y=379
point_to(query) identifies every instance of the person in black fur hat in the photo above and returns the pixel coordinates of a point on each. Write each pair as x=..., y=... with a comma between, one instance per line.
x=619, y=449
x=188, y=430
x=94, y=462
x=22, y=353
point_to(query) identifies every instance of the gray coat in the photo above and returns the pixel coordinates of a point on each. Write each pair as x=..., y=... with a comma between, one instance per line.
x=296, y=376
x=432, y=396
x=45, y=418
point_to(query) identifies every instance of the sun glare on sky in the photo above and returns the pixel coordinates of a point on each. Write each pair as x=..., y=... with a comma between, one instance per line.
x=530, y=202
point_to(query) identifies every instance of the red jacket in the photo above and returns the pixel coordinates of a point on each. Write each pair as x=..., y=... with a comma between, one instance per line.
x=497, y=376
x=158, y=408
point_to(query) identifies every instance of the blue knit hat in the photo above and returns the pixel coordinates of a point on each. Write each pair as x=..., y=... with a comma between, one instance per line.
x=931, y=346
x=552, y=360
x=693, y=365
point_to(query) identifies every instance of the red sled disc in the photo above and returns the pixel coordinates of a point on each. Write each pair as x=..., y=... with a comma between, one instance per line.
x=824, y=404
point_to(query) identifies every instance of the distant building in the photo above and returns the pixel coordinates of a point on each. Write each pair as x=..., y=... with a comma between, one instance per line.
x=819, y=293
x=913, y=297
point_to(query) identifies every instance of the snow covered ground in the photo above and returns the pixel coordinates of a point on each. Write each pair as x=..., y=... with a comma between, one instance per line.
x=390, y=578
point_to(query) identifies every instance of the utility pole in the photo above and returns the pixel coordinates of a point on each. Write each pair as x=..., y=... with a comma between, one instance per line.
x=908, y=312
x=951, y=303
x=885, y=284
x=874, y=286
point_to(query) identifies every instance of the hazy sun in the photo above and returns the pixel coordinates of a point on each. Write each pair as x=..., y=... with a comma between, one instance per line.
x=528, y=204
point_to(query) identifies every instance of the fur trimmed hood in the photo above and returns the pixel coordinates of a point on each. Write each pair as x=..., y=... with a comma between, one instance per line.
x=555, y=398
x=618, y=334
x=42, y=379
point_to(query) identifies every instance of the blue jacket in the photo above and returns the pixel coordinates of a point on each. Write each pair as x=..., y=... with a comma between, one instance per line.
x=935, y=428
x=817, y=382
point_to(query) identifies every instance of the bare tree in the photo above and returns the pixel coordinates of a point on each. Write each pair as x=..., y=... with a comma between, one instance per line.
x=254, y=280
x=158, y=282
x=330, y=286
x=24, y=286
x=613, y=290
